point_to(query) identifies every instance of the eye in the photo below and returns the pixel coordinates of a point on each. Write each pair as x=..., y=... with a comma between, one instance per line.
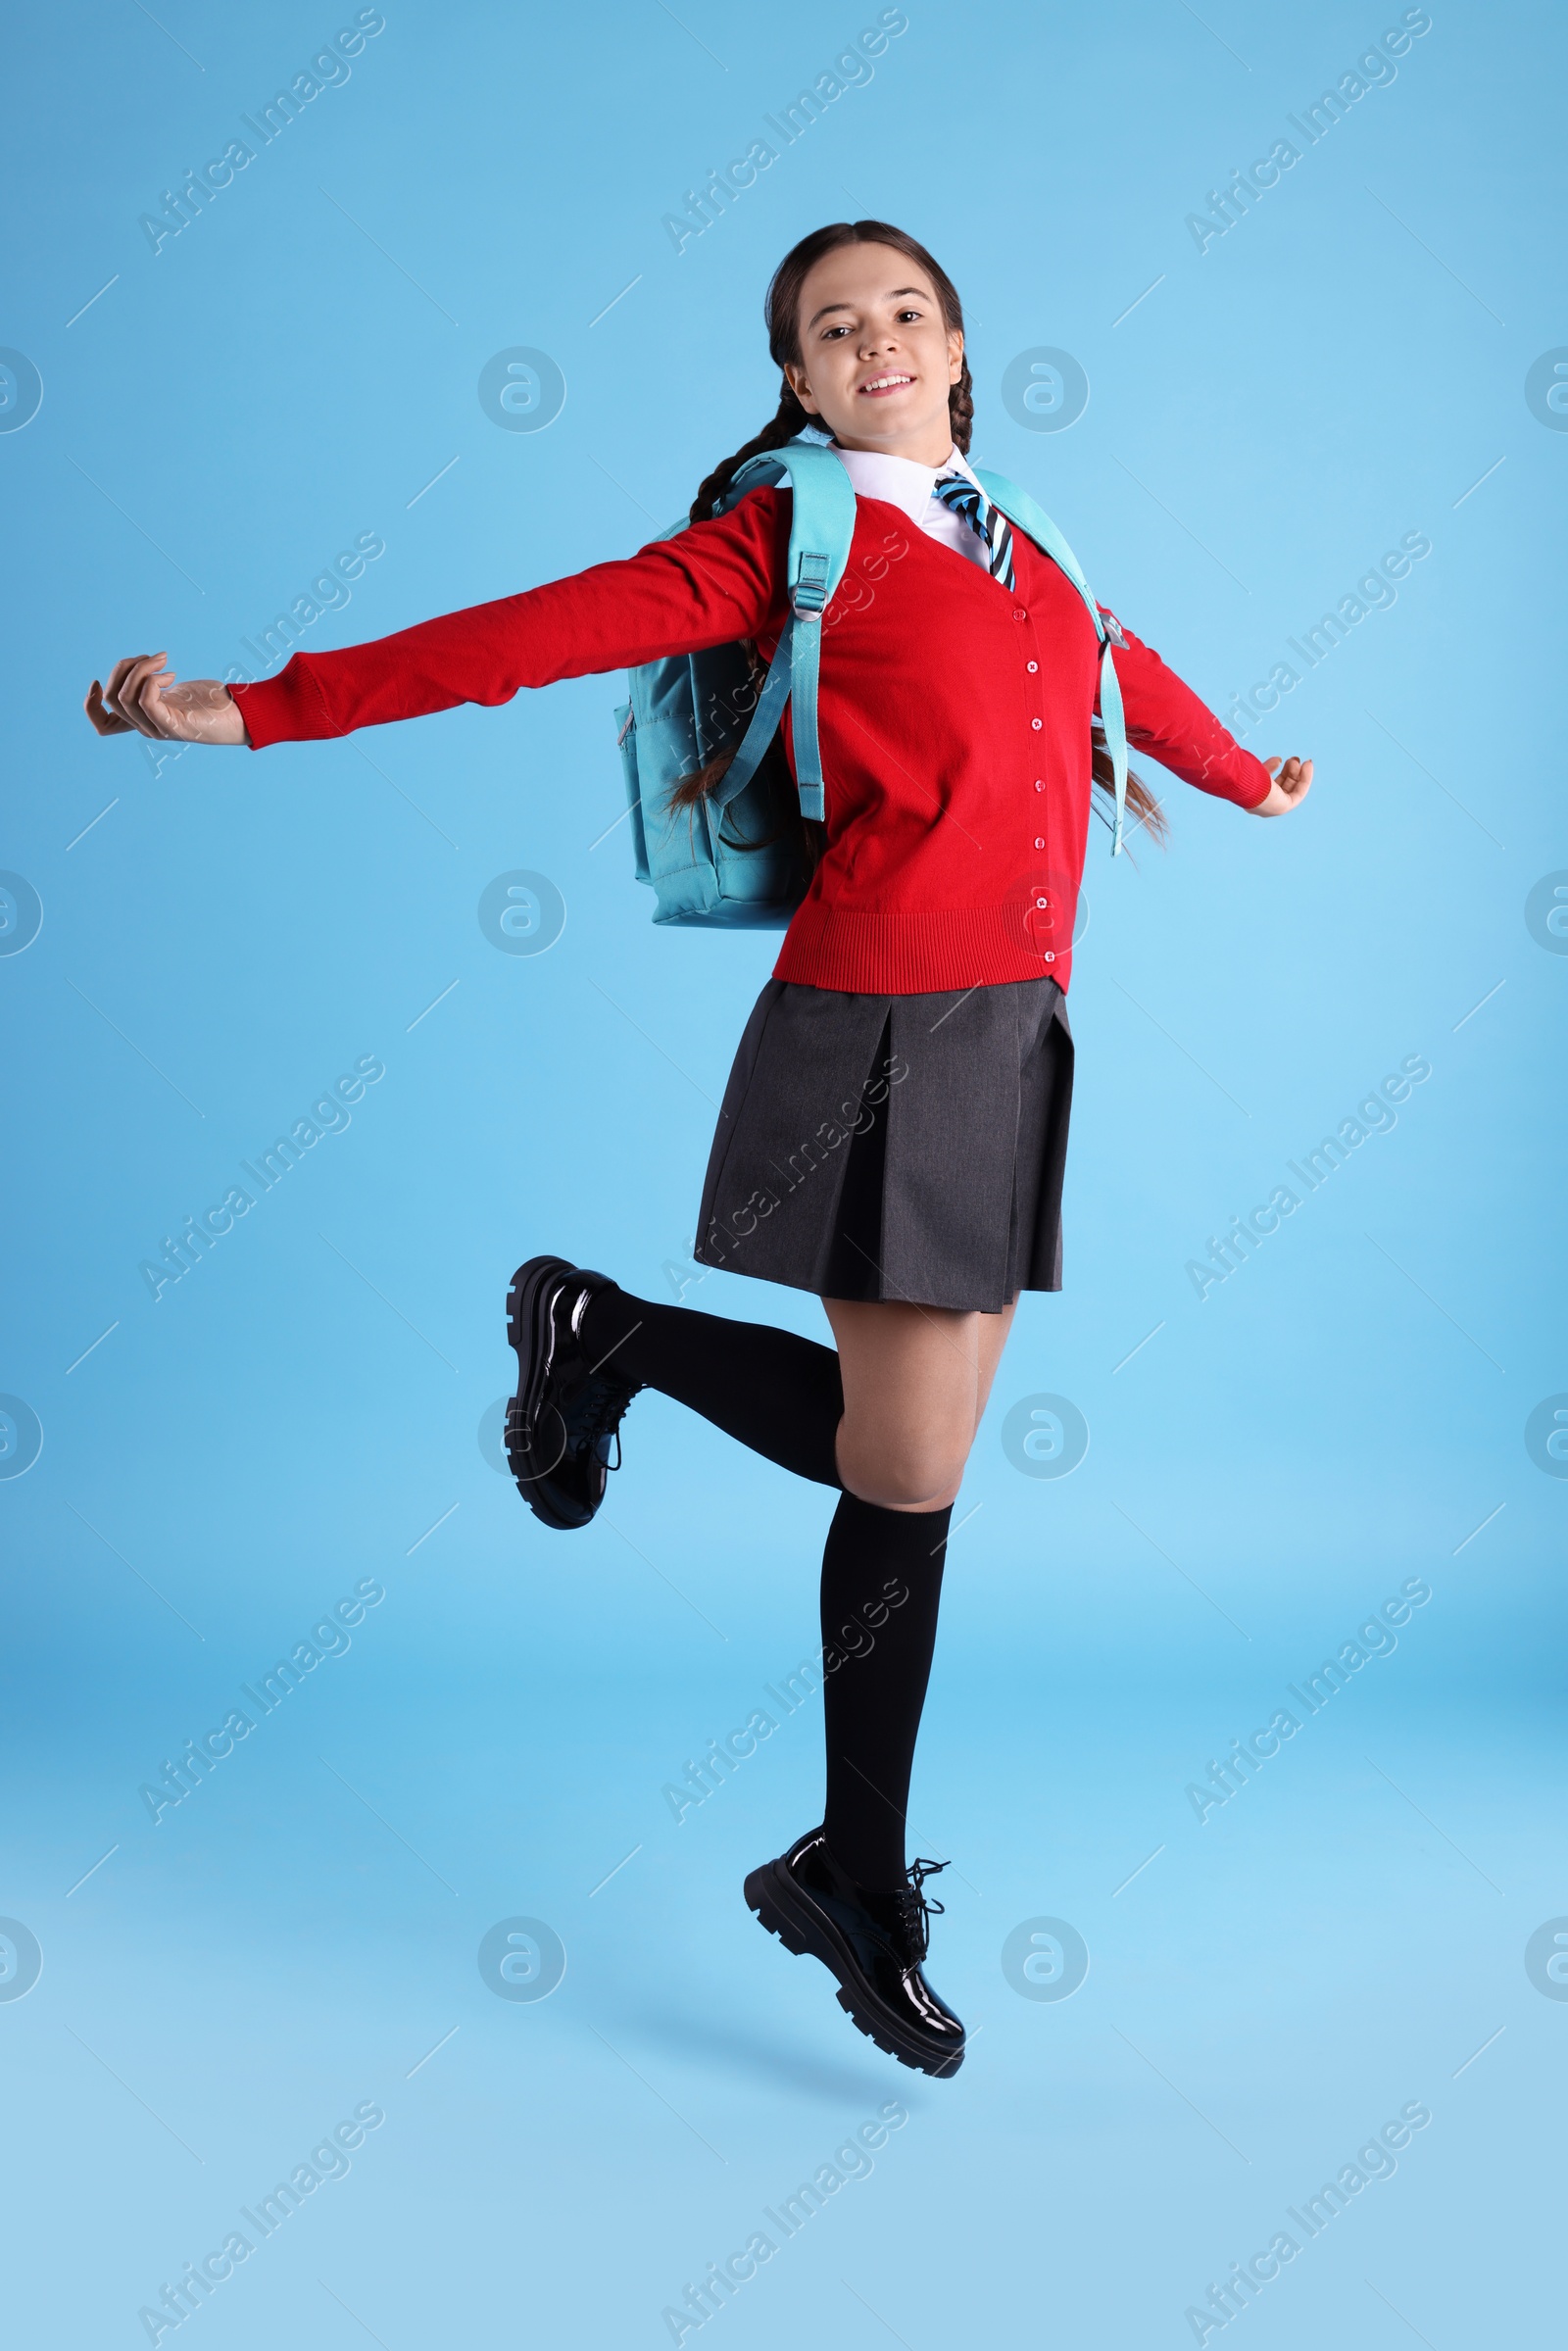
x=903, y=315
x=831, y=334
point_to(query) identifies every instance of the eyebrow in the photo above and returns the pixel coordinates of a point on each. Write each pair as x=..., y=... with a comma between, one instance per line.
x=897, y=293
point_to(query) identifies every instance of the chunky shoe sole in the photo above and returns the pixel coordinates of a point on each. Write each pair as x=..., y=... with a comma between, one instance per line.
x=779, y=1905
x=529, y=1331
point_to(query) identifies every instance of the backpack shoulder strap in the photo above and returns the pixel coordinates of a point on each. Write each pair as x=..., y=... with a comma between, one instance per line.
x=821, y=527
x=821, y=519
x=1036, y=524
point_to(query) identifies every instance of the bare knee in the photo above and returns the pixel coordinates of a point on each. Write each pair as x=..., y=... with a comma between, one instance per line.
x=909, y=1476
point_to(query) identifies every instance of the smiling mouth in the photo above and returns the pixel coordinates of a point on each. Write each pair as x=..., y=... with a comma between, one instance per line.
x=879, y=386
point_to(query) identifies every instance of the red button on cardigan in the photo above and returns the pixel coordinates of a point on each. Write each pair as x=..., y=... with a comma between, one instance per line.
x=919, y=885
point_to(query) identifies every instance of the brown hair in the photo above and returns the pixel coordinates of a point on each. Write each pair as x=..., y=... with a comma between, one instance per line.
x=781, y=314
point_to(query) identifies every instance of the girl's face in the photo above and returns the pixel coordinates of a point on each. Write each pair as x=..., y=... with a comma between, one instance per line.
x=876, y=359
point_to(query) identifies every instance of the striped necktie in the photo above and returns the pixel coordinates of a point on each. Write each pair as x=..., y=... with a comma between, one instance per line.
x=968, y=500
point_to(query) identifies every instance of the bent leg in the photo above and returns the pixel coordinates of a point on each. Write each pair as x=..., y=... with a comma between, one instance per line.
x=777, y=1392
x=915, y=1383
x=899, y=1402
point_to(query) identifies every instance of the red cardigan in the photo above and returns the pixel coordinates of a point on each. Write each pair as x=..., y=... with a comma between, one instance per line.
x=954, y=718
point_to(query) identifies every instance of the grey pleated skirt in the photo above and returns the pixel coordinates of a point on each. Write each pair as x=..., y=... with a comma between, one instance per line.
x=895, y=1146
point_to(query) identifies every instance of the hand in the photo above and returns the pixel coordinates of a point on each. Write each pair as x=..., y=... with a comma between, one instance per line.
x=1293, y=780
x=144, y=696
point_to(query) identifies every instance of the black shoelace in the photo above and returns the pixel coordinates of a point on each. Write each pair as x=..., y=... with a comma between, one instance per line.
x=917, y=1907
x=608, y=1402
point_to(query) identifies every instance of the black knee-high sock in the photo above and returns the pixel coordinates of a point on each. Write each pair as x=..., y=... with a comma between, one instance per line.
x=881, y=1584
x=777, y=1392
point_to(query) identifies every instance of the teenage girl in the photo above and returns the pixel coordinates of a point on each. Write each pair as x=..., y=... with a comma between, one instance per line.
x=894, y=1131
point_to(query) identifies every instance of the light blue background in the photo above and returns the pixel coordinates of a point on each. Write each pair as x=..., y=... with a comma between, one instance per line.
x=1342, y=1414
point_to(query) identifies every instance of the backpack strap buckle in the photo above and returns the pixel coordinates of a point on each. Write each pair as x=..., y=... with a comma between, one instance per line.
x=808, y=596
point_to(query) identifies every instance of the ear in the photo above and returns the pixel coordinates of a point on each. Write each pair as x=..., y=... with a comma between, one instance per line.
x=795, y=378
x=955, y=354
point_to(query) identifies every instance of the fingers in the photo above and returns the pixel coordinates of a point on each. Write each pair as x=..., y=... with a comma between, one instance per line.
x=145, y=693
x=1292, y=781
x=134, y=692
x=114, y=692
x=118, y=677
x=102, y=719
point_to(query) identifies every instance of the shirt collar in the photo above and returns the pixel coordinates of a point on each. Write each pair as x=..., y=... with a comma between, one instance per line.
x=898, y=481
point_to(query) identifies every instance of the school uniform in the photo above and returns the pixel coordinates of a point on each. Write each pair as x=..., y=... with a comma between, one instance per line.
x=894, y=1124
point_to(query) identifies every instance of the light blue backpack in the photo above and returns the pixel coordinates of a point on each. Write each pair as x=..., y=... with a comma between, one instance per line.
x=727, y=862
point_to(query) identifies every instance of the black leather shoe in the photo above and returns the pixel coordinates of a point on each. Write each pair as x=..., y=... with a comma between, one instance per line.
x=873, y=1942
x=566, y=1414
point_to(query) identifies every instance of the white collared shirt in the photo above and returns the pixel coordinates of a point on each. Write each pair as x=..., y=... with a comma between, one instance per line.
x=903, y=484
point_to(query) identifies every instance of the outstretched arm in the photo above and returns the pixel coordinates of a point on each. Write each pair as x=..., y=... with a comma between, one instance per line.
x=714, y=583
x=1166, y=719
